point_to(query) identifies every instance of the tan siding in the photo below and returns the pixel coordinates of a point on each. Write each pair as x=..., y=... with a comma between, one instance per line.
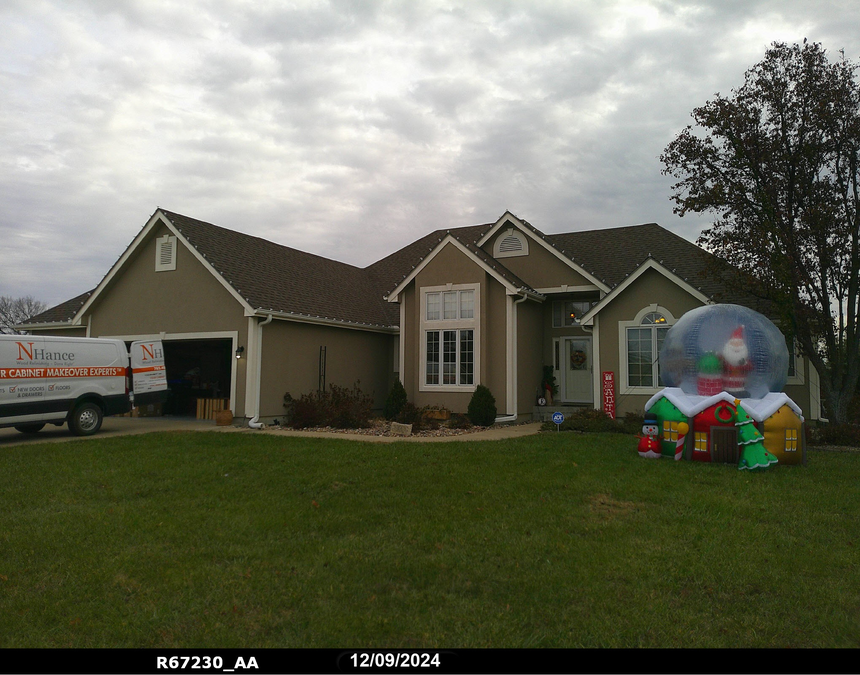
x=530, y=360
x=540, y=268
x=494, y=349
x=140, y=300
x=291, y=358
x=64, y=332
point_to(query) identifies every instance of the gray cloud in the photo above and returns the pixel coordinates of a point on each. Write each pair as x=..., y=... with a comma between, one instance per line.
x=350, y=129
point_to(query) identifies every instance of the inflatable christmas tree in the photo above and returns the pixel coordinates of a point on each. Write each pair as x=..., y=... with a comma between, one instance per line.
x=753, y=454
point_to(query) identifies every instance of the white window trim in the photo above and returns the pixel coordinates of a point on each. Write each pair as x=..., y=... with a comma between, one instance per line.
x=622, y=348
x=449, y=324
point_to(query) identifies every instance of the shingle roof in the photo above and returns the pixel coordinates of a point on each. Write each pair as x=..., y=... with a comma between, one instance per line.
x=273, y=277
x=62, y=313
x=393, y=269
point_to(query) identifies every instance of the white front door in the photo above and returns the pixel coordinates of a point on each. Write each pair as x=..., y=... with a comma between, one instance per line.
x=576, y=384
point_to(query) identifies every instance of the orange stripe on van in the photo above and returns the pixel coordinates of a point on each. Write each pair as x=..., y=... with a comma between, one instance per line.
x=150, y=369
x=35, y=373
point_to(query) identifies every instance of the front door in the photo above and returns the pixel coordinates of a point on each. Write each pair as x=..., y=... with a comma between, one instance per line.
x=577, y=384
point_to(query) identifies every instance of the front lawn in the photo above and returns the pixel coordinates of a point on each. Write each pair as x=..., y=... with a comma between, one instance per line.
x=556, y=540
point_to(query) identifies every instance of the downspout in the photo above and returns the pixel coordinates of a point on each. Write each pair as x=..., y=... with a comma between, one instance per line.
x=515, y=364
x=254, y=422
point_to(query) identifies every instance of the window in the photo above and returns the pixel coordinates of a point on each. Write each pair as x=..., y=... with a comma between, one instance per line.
x=449, y=346
x=643, y=350
x=450, y=305
x=700, y=441
x=670, y=431
x=640, y=342
x=568, y=312
x=791, y=440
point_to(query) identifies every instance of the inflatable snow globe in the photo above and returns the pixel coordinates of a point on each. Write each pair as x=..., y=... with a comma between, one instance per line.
x=728, y=348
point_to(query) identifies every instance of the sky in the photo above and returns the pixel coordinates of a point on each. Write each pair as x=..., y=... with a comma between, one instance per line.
x=351, y=128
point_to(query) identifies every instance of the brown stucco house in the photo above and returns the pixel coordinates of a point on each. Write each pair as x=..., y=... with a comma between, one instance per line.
x=487, y=304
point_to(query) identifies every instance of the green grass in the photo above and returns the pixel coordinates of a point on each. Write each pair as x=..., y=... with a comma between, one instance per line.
x=558, y=540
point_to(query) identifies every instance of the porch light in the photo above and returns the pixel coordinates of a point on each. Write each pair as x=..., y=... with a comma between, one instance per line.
x=239, y=352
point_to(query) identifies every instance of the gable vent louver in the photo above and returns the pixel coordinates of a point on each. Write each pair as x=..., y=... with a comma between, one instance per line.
x=510, y=245
x=165, y=253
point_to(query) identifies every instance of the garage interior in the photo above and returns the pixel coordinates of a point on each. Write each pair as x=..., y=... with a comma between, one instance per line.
x=198, y=377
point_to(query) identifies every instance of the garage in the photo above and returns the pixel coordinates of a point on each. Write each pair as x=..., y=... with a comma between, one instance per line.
x=199, y=376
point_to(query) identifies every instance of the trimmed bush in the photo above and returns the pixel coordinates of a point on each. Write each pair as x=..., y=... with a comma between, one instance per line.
x=482, y=408
x=395, y=401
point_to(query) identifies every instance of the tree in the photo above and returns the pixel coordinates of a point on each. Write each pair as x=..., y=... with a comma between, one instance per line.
x=777, y=162
x=14, y=311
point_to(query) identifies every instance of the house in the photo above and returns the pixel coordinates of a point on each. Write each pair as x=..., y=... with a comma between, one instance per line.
x=246, y=320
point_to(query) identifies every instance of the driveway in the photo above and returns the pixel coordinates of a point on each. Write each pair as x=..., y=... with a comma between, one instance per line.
x=112, y=426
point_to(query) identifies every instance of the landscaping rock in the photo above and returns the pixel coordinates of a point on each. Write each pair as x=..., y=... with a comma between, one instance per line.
x=398, y=429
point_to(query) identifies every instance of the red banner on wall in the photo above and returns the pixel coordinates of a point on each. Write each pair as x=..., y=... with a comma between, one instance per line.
x=609, y=393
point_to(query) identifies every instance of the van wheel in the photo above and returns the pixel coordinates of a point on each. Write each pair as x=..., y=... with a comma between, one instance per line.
x=29, y=428
x=86, y=419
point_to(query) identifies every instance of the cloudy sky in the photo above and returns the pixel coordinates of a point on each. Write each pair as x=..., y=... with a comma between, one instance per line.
x=350, y=128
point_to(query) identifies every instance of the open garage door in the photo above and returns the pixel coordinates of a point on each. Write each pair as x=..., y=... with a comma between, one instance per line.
x=198, y=376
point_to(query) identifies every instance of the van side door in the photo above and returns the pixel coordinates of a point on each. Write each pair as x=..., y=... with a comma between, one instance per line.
x=149, y=373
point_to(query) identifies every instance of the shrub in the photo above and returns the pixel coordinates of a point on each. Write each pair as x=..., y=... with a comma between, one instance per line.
x=459, y=421
x=632, y=423
x=835, y=434
x=482, y=408
x=349, y=408
x=411, y=414
x=590, y=420
x=395, y=401
x=338, y=407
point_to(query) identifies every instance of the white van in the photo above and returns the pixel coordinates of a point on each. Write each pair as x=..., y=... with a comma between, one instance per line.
x=76, y=380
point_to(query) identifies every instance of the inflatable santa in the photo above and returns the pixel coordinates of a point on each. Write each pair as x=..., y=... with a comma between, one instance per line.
x=736, y=364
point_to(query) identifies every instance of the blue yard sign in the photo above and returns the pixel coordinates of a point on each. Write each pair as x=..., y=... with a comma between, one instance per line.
x=557, y=419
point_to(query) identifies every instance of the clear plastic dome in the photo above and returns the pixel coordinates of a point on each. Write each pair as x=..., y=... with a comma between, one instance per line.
x=724, y=348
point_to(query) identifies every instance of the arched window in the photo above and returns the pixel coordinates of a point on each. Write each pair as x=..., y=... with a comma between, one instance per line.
x=644, y=338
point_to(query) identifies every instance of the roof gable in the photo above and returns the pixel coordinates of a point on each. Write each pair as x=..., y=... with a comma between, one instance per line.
x=513, y=285
x=510, y=220
x=650, y=263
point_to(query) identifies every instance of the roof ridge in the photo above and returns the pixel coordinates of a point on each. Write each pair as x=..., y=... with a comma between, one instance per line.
x=268, y=242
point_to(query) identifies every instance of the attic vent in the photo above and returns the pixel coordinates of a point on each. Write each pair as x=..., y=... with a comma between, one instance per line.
x=165, y=253
x=511, y=243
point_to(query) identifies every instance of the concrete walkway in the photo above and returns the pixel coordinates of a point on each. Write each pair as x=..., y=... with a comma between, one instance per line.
x=125, y=426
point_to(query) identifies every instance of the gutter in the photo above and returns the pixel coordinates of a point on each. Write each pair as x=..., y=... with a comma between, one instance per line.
x=254, y=422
